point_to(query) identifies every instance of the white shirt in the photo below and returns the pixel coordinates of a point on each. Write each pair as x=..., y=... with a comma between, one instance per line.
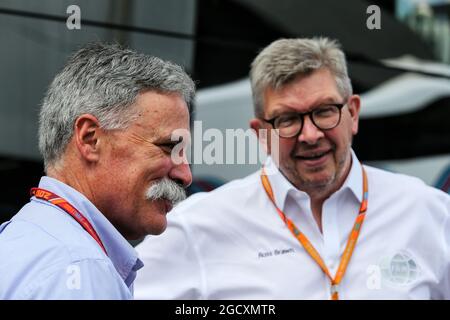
x=231, y=243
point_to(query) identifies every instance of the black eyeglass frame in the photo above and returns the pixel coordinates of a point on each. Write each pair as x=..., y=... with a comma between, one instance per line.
x=309, y=113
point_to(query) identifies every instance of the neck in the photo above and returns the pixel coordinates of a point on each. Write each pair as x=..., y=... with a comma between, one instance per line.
x=83, y=181
x=74, y=178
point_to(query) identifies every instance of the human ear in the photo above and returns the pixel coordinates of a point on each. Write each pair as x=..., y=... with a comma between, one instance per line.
x=354, y=106
x=86, y=134
x=262, y=133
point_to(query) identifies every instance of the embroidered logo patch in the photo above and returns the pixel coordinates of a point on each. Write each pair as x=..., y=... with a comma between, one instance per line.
x=399, y=269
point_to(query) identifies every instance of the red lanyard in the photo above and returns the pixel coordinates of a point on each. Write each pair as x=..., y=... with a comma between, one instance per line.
x=67, y=207
x=351, y=243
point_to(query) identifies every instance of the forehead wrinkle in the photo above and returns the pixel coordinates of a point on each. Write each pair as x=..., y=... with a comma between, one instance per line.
x=298, y=93
x=315, y=88
x=151, y=123
x=294, y=98
x=161, y=133
x=138, y=139
x=281, y=108
x=154, y=124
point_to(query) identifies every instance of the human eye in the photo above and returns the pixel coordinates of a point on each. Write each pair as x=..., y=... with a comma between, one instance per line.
x=285, y=120
x=325, y=111
x=168, y=146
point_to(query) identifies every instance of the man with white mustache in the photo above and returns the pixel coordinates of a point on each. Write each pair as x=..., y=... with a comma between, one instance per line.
x=105, y=133
x=313, y=223
x=166, y=189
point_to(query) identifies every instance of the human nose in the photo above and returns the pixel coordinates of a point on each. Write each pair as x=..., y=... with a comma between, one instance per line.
x=181, y=174
x=310, y=134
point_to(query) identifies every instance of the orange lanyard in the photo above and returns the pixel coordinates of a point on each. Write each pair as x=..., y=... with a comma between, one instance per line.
x=68, y=208
x=351, y=243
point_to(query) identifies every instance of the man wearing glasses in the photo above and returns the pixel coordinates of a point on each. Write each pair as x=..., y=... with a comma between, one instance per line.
x=313, y=223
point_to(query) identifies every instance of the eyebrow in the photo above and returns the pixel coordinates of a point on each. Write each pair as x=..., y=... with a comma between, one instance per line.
x=283, y=108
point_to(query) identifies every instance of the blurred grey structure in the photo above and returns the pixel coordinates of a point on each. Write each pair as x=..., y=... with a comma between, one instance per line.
x=34, y=50
x=431, y=20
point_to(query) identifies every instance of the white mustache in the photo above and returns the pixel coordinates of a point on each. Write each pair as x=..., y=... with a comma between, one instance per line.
x=166, y=189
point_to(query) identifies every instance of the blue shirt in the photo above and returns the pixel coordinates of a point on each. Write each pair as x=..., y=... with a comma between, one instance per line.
x=46, y=254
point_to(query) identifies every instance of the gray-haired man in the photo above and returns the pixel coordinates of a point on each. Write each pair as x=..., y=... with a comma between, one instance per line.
x=105, y=134
x=321, y=225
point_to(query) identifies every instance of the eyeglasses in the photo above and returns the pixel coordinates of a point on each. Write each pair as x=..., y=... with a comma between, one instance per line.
x=325, y=117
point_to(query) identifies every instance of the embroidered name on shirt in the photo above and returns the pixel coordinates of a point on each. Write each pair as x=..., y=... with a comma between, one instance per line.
x=276, y=252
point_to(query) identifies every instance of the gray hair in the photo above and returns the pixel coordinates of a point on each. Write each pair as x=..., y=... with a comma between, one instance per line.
x=284, y=59
x=103, y=80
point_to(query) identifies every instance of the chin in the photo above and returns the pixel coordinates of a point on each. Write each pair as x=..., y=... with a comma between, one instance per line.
x=157, y=232
x=153, y=229
x=318, y=181
x=157, y=228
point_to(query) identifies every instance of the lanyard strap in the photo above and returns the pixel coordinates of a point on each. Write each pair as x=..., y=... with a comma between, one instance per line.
x=71, y=210
x=351, y=243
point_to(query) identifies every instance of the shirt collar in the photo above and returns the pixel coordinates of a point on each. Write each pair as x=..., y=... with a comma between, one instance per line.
x=123, y=256
x=282, y=187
